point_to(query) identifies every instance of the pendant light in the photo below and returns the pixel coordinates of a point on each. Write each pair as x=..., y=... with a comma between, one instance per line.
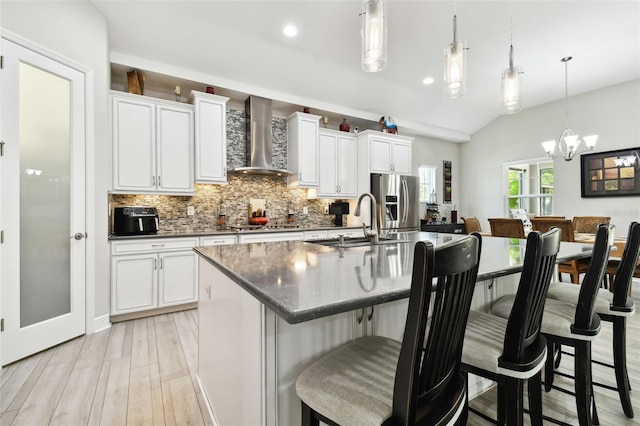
x=511, y=79
x=570, y=140
x=455, y=59
x=374, y=36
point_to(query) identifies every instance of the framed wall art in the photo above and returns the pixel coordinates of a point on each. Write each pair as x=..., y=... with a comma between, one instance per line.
x=446, y=181
x=611, y=173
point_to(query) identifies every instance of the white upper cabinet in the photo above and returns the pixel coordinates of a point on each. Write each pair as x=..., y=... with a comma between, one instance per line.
x=337, y=164
x=152, y=145
x=302, y=149
x=210, y=137
x=387, y=153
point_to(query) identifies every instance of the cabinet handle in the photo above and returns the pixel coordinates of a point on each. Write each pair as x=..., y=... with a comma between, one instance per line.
x=208, y=290
x=159, y=181
x=155, y=264
x=224, y=173
x=161, y=263
x=300, y=176
x=153, y=181
x=370, y=316
x=157, y=245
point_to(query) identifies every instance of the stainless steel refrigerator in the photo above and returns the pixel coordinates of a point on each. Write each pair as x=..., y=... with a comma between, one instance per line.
x=397, y=197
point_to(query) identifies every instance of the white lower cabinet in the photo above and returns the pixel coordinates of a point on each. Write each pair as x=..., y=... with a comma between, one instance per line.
x=152, y=274
x=265, y=237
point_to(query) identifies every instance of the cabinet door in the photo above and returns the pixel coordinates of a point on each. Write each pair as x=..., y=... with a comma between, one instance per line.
x=133, y=283
x=211, y=139
x=177, y=278
x=302, y=149
x=348, y=167
x=401, y=157
x=133, y=139
x=381, y=156
x=328, y=162
x=175, y=149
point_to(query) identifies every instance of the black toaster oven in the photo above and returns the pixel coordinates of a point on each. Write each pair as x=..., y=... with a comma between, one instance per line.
x=135, y=220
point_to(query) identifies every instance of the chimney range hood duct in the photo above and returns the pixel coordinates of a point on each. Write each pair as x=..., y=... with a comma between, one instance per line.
x=259, y=148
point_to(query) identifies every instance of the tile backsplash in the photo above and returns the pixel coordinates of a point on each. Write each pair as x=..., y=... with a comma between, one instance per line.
x=235, y=197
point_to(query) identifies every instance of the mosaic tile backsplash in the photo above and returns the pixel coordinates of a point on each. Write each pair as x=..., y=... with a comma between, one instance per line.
x=233, y=199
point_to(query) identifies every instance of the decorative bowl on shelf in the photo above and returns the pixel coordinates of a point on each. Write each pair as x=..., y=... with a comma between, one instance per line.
x=258, y=220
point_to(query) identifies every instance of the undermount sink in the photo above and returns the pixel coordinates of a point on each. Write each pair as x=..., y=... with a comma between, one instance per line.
x=357, y=242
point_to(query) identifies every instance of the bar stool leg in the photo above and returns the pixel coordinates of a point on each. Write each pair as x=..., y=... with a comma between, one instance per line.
x=583, y=386
x=535, y=399
x=620, y=364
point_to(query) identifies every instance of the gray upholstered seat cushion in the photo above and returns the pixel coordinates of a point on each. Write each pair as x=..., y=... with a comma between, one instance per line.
x=483, y=344
x=568, y=292
x=557, y=318
x=353, y=385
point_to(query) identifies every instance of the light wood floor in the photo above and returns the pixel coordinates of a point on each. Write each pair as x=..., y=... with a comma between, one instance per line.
x=139, y=372
x=142, y=372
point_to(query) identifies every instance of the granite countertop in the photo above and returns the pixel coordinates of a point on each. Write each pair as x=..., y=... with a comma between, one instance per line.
x=216, y=231
x=301, y=281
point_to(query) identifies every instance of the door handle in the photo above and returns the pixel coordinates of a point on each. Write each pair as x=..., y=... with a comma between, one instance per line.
x=79, y=235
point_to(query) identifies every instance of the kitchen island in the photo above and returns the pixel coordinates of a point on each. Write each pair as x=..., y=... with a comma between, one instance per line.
x=268, y=310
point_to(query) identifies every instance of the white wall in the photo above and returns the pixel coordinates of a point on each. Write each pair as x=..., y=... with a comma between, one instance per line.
x=77, y=31
x=433, y=152
x=612, y=113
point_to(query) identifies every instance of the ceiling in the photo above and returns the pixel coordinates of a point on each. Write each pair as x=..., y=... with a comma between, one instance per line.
x=239, y=45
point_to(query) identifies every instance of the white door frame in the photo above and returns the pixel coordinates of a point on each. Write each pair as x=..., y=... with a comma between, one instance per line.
x=90, y=223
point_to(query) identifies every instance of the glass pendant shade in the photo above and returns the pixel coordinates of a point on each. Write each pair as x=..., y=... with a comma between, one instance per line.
x=511, y=90
x=374, y=36
x=455, y=72
x=511, y=87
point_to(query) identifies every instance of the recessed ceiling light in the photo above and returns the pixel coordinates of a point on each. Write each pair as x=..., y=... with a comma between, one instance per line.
x=428, y=80
x=290, y=30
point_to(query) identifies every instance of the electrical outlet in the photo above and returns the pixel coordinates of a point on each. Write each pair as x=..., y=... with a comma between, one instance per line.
x=305, y=210
x=326, y=209
x=191, y=211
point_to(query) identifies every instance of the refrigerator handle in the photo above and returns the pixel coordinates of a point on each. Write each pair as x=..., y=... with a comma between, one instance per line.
x=405, y=207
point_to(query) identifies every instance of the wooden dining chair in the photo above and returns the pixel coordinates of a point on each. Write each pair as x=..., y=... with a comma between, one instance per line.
x=573, y=267
x=471, y=224
x=613, y=307
x=589, y=224
x=548, y=217
x=512, y=351
x=506, y=227
x=575, y=325
x=374, y=379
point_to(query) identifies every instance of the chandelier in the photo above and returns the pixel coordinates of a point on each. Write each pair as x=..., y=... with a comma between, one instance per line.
x=570, y=140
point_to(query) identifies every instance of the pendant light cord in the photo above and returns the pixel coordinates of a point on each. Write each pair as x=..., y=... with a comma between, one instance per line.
x=566, y=91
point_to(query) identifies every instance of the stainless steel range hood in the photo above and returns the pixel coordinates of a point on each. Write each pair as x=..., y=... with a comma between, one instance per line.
x=259, y=148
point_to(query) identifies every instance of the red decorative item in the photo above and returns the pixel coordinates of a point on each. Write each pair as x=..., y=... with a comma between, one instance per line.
x=344, y=126
x=211, y=90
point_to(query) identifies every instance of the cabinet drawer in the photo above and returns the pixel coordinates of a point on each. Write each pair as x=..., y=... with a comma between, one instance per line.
x=315, y=235
x=218, y=241
x=349, y=233
x=154, y=245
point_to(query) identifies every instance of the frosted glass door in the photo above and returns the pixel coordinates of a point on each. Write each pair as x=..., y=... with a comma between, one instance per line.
x=43, y=202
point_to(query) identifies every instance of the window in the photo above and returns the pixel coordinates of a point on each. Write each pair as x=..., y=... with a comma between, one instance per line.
x=427, y=176
x=530, y=186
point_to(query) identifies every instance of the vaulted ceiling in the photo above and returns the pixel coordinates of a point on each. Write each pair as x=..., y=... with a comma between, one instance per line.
x=240, y=45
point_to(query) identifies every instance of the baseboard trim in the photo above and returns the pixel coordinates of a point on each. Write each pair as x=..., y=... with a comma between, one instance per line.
x=101, y=323
x=206, y=402
x=153, y=312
